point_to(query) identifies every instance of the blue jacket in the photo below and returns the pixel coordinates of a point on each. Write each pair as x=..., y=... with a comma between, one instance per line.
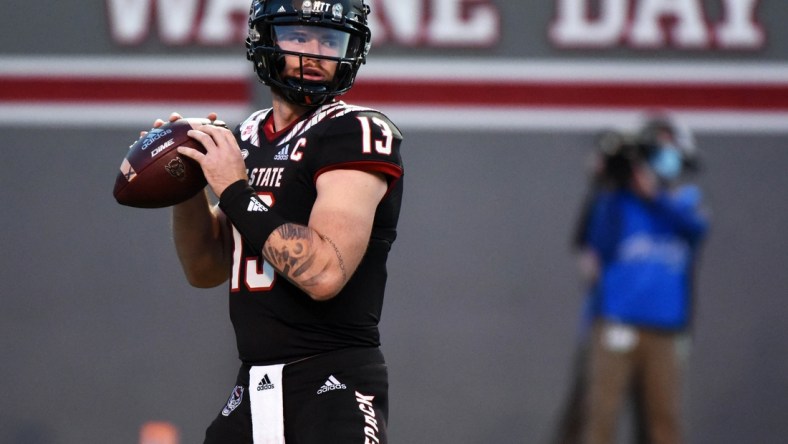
x=646, y=249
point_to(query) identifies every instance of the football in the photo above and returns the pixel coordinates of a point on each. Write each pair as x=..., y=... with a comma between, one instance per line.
x=154, y=175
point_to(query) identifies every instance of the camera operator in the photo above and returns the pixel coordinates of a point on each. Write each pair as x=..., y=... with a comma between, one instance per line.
x=609, y=169
x=642, y=232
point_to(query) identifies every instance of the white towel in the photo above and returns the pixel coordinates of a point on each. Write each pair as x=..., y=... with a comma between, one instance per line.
x=265, y=397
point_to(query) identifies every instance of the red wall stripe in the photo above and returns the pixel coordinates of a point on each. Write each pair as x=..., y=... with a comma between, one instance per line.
x=747, y=97
x=102, y=89
x=577, y=94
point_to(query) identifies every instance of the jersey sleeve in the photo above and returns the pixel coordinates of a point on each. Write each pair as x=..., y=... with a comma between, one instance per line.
x=361, y=140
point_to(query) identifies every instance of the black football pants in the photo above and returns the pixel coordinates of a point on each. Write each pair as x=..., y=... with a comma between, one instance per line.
x=338, y=397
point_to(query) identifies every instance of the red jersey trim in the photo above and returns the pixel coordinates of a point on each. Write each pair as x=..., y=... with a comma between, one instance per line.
x=272, y=134
x=393, y=172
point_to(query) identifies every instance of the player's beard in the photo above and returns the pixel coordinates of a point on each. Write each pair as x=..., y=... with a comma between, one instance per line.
x=310, y=71
x=308, y=81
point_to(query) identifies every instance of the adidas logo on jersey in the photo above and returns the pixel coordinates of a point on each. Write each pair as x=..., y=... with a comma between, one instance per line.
x=265, y=384
x=283, y=154
x=255, y=206
x=331, y=384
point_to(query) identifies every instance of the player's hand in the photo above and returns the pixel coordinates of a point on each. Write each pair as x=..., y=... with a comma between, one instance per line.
x=222, y=162
x=159, y=122
x=175, y=116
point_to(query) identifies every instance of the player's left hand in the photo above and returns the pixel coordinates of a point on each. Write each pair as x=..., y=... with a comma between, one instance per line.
x=222, y=162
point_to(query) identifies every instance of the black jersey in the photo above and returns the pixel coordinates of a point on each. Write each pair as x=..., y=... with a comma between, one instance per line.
x=275, y=321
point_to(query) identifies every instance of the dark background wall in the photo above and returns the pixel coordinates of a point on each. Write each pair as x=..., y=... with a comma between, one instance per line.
x=100, y=333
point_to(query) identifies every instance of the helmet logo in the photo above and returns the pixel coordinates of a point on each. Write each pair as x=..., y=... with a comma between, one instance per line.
x=337, y=11
x=308, y=7
x=254, y=35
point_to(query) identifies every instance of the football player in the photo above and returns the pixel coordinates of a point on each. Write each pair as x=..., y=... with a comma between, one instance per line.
x=309, y=197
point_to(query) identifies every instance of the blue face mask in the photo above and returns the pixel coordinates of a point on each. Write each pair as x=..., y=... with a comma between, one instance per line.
x=667, y=163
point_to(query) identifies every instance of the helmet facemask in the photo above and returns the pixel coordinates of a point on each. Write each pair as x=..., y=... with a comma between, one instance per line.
x=305, y=56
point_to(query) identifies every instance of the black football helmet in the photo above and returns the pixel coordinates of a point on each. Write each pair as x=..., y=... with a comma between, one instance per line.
x=273, y=24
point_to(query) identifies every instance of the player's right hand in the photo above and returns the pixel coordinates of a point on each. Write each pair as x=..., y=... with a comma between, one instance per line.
x=173, y=117
x=159, y=122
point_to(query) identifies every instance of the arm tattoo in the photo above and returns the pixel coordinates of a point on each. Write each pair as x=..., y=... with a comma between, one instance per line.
x=339, y=257
x=295, y=255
